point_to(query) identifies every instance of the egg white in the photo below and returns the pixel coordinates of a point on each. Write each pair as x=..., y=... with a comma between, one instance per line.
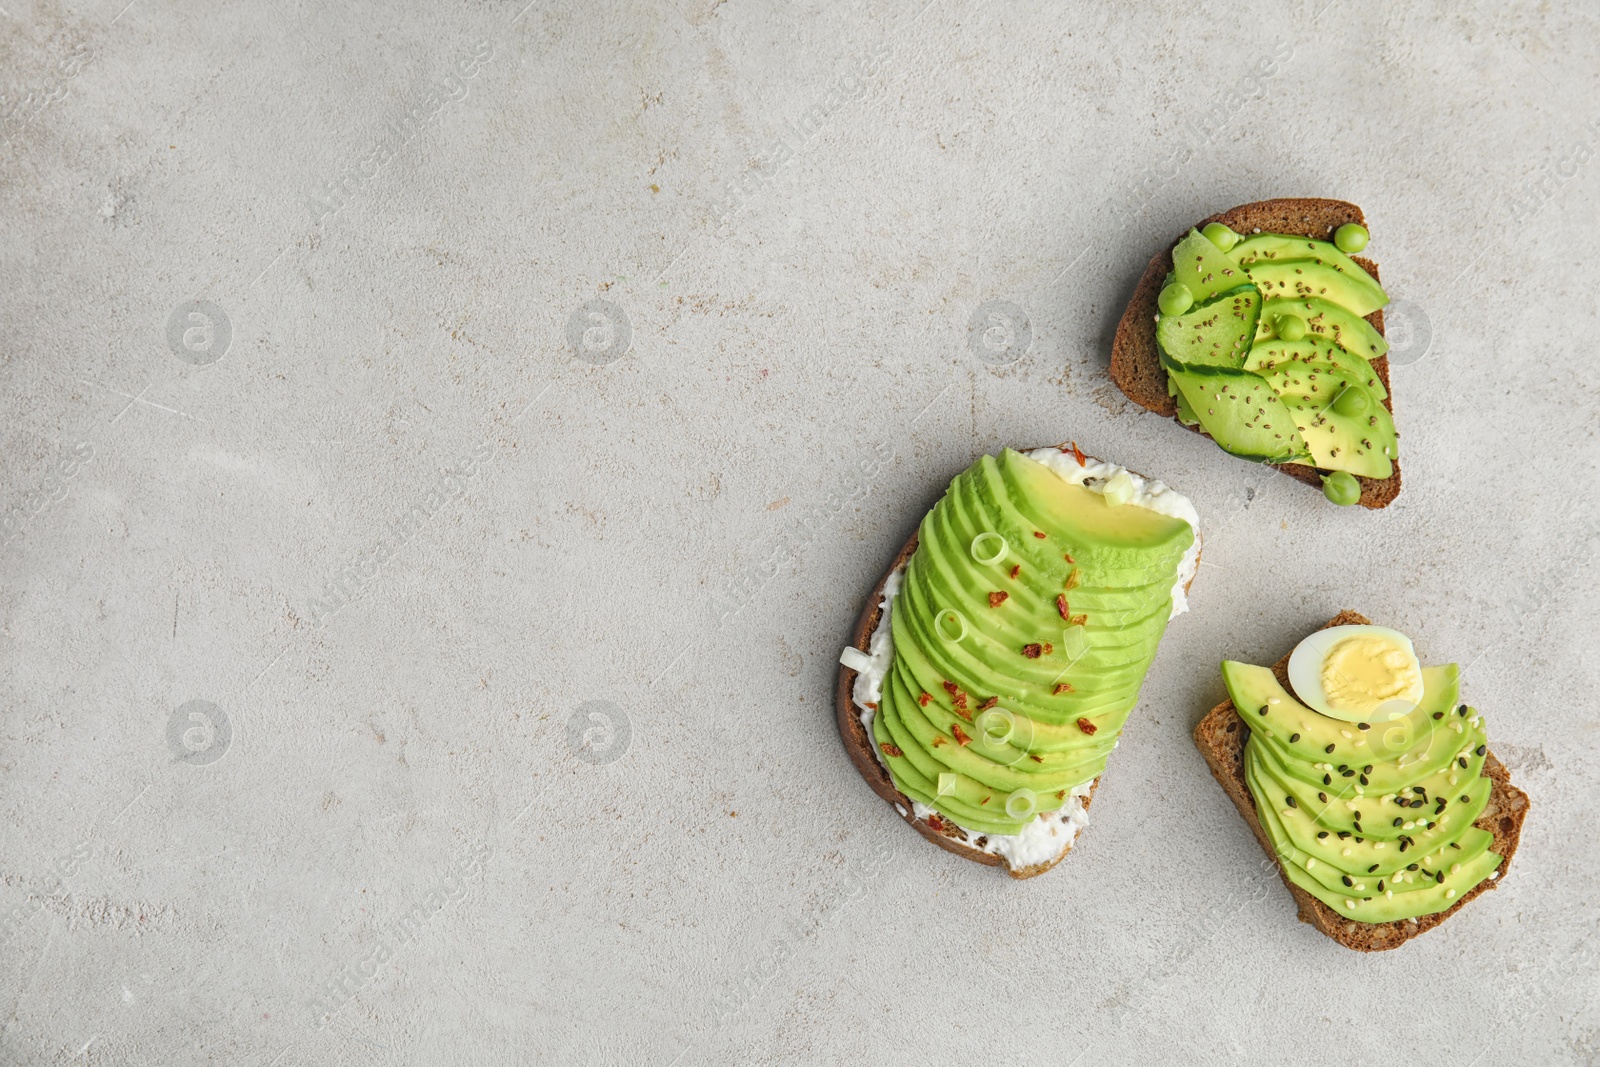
x=1305, y=672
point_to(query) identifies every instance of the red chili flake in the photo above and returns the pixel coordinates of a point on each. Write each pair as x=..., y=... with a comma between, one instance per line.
x=1036, y=759
x=959, y=734
x=924, y=699
x=890, y=750
x=1032, y=651
x=936, y=823
x=1016, y=570
x=1077, y=454
x=871, y=704
x=985, y=800
x=938, y=739
x=1039, y=535
x=1086, y=726
x=1078, y=620
x=1062, y=795
x=1049, y=648
x=987, y=704
x=1064, y=687
x=996, y=599
x=1061, y=606
x=1069, y=559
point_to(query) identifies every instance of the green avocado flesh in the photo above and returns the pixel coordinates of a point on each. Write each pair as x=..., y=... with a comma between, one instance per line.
x=1264, y=397
x=1377, y=823
x=1061, y=687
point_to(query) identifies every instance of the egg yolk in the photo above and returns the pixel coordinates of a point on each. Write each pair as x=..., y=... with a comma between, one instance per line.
x=1362, y=673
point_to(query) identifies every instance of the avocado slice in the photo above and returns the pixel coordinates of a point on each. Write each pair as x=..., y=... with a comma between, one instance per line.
x=1312, y=351
x=1241, y=413
x=1204, y=268
x=1252, y=688
x=1277, y=246
x=1216, y=333
x=1362, y=444
x=1343, y=327
x=1303, y=278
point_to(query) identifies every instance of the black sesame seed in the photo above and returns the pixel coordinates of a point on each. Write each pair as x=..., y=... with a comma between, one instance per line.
x=1438, y=715
x=1480, y=750
x=1293, y=738
x=1363, y=779
x=1398, y=820
x=1363, y=726
x=1455, y=846
x=1322, y=797
x=1411, y=867
x=1380, y=885
x=1465, y=799
x=1290, y=801
x=1343, y=834
x=1347, y=880
x=1431, y=825
x=1367, y=769
x=1438, y=879
x=1462, y=711
x=1405, y=843
x=1360, y=839
x=1328, y=749
x=1372, y=868
x=1347, y=773
x=1263, y=709
x=1461, y=760
x=1321, y=834
x=1327, y=779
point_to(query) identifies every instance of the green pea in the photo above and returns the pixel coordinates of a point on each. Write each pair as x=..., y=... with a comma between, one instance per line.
x=1220, y=235
x=1290, y=327
x=1350, y=237
x=1342, y=488
x=1175, y=299
x=1352, y=401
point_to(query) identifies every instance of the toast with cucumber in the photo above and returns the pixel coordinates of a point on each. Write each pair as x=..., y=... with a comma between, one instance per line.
x=1371, y=785
x=1262, y=329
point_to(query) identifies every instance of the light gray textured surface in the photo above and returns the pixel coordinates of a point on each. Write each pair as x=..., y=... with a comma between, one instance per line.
x=683, y=535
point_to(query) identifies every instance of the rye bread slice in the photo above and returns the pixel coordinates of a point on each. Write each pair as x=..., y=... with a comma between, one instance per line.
x=1136, y=359
x=1221, y=737
x=859, y=744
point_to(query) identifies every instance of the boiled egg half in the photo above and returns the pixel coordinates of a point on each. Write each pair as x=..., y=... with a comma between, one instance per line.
x=1357, y=673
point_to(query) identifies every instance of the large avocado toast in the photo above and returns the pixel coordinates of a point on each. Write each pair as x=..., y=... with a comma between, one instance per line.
x=1382, y=824
x=1261, y=329
x=996, y=662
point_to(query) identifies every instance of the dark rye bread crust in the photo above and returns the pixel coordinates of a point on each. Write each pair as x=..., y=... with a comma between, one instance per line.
x=1136, y=360
x=1221, y=737
x=859, y=744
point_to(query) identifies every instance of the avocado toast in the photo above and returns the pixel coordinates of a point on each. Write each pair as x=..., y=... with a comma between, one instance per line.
x=996, y=662
x=1261, y=329
x=1381, y=829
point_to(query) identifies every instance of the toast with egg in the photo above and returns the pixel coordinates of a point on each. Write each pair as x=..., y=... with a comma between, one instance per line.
x=1136, y=358
x=1221, y=737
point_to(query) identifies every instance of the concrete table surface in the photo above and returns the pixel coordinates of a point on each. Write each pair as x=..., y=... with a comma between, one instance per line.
x=445, y=447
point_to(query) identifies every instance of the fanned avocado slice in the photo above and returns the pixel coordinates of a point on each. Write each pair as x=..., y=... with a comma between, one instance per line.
x=1204, y=268
x=1241, y=413
x=1302, y=278
x=1312, y=351
x=1217, y=333
x=1360, y=439
x=1343, y=327
x=1276, y=246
